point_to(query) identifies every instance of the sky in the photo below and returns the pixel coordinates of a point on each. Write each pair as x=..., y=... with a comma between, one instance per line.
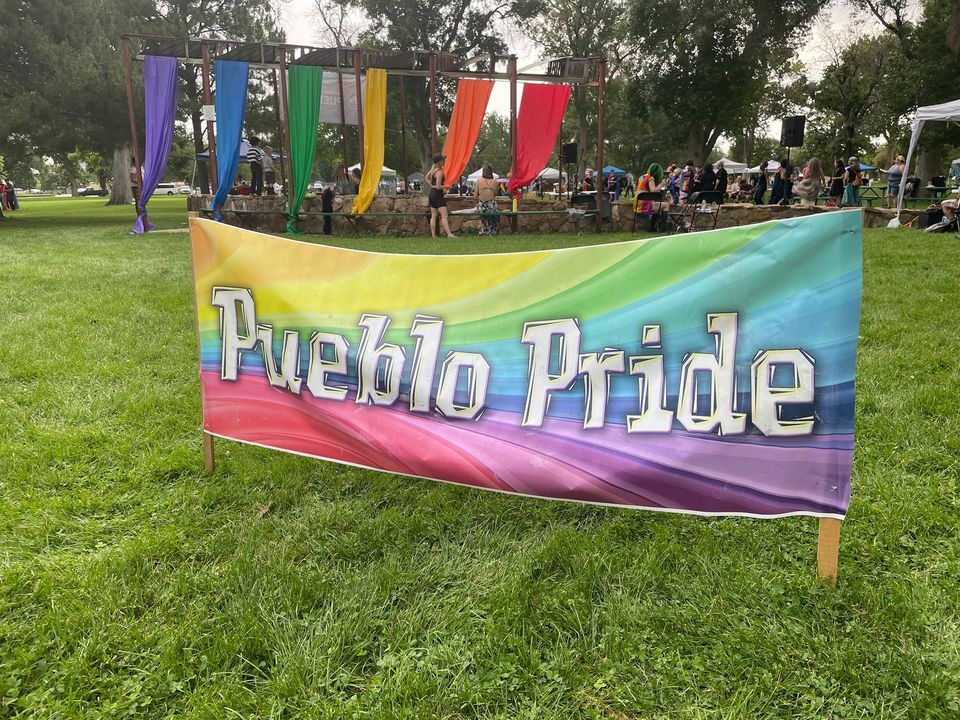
x=302, y=27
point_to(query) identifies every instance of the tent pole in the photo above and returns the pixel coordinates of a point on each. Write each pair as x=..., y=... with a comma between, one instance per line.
x=433, y=102
x=356, y=77
x=211, y=144
x=276, y=109
x=286, y=118
x=403, y=135
x=343, y=113
x=512, y=72
x=133, y=125
x=601, y=106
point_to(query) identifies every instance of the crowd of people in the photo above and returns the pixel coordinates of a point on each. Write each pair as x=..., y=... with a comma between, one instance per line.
x=710, y=182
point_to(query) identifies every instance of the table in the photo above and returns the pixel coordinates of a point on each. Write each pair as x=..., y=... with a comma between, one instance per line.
x=937, y=191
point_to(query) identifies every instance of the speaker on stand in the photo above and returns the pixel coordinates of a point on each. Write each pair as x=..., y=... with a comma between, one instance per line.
x=791, y=132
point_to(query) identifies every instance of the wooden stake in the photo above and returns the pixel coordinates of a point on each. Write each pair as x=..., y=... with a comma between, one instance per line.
x=828, y=550
x=208, y=463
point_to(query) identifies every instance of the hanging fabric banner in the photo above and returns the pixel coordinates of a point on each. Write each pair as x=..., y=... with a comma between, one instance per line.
x=374, y=125
x=538, y=122
x=160, y=110
x=231, y=103
x=330, y=98
x=711, y=373
x=465, y=122
x=304, y=84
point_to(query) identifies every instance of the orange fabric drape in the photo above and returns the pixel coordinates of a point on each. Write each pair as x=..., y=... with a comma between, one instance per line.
x=468, y=112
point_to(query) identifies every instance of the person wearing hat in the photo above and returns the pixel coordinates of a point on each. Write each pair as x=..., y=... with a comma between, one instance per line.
x=852, y=178
x=436, y=200
x=894, y=177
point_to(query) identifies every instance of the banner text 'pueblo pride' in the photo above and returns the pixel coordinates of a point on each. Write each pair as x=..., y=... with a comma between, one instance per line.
x=706, y=373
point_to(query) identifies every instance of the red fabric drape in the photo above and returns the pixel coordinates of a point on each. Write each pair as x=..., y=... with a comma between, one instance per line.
x=538, y=122
x=468, y=111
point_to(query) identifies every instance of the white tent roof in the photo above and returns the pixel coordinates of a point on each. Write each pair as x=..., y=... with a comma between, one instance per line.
x=772, y=166
x=943, y=111
x=550, y=174
x=385, y=171
x=479, y=174
x=732, y=166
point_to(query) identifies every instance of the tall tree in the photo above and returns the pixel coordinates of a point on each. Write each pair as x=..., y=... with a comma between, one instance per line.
x=572, y=28
x=710, y=63
x=465, y=27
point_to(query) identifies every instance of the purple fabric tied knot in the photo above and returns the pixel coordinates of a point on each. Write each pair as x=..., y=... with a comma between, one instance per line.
x=160, y=111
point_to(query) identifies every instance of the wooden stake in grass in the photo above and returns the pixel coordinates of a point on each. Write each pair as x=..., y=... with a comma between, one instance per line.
x=828, y=550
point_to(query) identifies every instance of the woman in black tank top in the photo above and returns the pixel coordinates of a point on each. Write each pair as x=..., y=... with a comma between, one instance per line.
x=438, y=204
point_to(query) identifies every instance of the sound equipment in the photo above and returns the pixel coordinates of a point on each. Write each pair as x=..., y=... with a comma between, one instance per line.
x=569, y=152
x=791, y=131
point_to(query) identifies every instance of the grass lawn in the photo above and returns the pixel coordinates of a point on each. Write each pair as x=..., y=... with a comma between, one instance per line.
x=133, y=584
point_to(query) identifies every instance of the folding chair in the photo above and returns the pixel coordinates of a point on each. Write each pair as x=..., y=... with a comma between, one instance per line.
x=655, y=196
x=702, y=206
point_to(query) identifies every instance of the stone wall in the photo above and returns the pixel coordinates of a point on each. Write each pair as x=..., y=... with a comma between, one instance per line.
x=404, y=216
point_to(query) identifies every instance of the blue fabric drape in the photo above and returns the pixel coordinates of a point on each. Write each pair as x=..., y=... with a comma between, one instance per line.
x=160, y=111
x=231, y=103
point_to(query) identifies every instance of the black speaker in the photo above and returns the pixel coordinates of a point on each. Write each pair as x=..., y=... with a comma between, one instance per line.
x=569, y=153
x=791, y=131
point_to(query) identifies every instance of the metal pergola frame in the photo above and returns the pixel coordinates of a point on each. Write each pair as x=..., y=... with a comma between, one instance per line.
x=429, y=64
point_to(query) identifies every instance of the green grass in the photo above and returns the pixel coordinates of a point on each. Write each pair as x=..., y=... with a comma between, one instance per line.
x=133, y=584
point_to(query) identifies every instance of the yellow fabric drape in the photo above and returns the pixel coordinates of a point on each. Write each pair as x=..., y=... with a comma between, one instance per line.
x=374, y=121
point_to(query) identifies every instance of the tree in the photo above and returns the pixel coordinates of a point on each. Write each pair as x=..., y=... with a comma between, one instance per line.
x=464, y=27
x=709, y=64
x=571, y=28
x=845, y=99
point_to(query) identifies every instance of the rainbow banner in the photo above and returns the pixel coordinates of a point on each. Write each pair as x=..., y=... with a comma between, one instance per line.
x=708, y=373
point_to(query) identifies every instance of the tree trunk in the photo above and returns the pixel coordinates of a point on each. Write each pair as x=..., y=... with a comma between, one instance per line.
x=696, y=149
x=929, y=165
x=120, y=193
x=203, y=172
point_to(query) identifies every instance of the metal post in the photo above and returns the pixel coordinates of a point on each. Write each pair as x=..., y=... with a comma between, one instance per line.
x=403, y=136
x=433, y=102
x=512, y=72
x=356, y=75
x=211, y=144
x=601, y=106
x=133, y=125
x=343, y=112
x=285, y=113
x=276, y=109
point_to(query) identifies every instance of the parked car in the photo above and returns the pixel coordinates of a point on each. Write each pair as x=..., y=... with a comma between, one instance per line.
x=183, y=190
x=87, y=191
x=165, y=189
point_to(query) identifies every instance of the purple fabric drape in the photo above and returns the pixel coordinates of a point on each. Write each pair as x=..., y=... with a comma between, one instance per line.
x=160, y=110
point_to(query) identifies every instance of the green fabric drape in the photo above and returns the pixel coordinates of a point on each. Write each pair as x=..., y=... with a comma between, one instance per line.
x=304, y=83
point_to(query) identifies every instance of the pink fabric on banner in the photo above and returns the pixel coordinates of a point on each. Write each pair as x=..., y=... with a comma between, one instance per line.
x=468, y=111
x=538, y=122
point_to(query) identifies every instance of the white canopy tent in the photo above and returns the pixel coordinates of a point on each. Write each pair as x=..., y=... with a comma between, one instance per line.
x=772, y=167
x=385, y=171
x=944, y=113
x=550, y=174
x=474, y=176
x=733, y=167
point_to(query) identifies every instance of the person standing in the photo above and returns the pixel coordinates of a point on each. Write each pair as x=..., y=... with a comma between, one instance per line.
x=778, y=188
x=438, y=203
x=761, y=189
x=721, y=180
x=894, y=178
x=255, y=158
x=852, y=179
x=808, y=189
x=485, y=191
x=673, y=185
x=687, y=178
x=835, y=193
x=708, y=179
x=269, y=171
